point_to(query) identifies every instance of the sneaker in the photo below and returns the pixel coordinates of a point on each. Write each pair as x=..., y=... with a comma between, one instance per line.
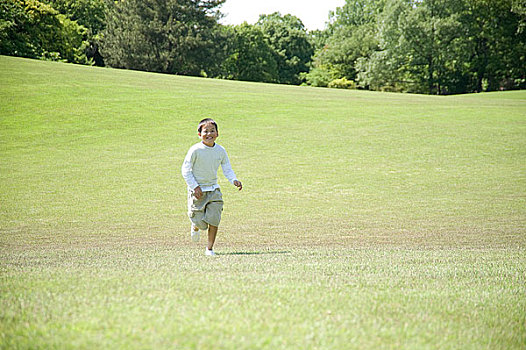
x=209, y=252
x=195, y=234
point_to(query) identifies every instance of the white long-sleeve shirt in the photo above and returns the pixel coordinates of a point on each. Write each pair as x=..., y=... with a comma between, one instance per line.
x=200, y=166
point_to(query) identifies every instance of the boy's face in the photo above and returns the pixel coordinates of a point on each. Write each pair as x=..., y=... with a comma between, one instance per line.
x=208, y=134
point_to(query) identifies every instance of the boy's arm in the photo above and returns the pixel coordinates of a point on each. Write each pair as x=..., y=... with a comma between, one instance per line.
x=238, y=184
x=186, y=171
x=229, y=172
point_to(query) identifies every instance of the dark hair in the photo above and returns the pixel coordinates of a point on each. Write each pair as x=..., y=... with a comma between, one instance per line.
x=206, y=121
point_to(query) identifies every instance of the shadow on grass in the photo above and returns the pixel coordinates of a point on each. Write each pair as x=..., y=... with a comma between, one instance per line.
x=256, y=252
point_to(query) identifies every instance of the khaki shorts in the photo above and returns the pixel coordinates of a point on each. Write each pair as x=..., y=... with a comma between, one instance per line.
x=206, y=210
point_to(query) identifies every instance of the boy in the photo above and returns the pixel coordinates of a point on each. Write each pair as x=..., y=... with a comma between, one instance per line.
x=205, y=202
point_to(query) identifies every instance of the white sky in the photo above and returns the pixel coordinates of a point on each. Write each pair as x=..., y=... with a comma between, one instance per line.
x=313, y=13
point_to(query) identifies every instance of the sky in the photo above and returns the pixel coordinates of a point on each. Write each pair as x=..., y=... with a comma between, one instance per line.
x=313, y=13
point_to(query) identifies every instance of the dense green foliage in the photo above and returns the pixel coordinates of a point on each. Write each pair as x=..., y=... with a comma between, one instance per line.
x=290, y=44
x=429, y=46
x=350, y=35
x=275, y=49
x=421, y=46
x=172, y=36
x=91, y=15
x=34, y=29
x=250, y=57
x=88, y=13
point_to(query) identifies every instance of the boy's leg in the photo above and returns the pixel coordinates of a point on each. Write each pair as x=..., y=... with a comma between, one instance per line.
x=213, y=216
x=196, y=212
x=198, y=222
x=212, y=233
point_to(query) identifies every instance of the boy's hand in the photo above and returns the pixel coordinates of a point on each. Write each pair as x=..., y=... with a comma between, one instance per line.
x=198, y=193
x=238, y=184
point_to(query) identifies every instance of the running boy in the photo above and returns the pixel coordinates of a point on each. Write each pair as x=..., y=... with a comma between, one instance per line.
x=205, y=202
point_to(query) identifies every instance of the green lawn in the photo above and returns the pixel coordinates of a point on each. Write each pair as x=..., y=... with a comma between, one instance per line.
x=367, y=220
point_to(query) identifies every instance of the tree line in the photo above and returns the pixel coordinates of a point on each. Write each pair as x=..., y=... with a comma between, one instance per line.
x=419, y=46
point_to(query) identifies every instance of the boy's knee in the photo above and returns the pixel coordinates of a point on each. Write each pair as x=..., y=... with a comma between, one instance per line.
x=202, y=225
x=198, y=220
x=213, y=214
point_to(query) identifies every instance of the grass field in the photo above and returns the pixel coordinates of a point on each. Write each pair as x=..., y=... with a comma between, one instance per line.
x=367, y=220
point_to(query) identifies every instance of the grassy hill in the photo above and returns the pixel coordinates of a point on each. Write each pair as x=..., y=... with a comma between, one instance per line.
x=366, y=220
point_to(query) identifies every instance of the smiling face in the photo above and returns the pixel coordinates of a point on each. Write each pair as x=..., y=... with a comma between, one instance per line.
x=208, y=134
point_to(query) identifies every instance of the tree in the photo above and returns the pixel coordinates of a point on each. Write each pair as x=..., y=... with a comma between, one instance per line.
x=447, y=46
x=355, y=13
x=33, y=29
x=347, y=45
x=496, y=43
x=250, y=57
x=169, y=36
x=87, y=13
x=288, y=38
x=519, y=8
x=431, y=35
x=91, y=15
x=352, y=35
x=420, y=43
